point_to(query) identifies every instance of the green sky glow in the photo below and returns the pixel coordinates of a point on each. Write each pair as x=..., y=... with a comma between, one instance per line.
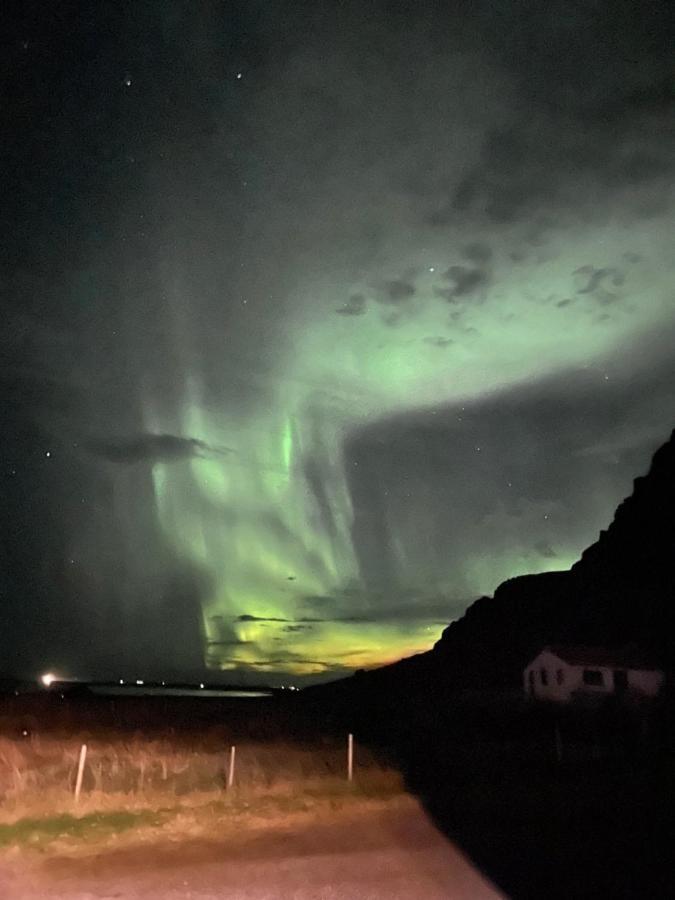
x=246, y=513
x=322, y=320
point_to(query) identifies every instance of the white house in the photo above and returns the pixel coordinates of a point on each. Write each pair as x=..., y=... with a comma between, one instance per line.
x=560, y=674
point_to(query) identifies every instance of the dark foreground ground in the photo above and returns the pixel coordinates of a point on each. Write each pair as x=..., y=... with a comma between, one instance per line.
x=546, y=804
x=391, y=852
x=594, y=834
x=584, y=814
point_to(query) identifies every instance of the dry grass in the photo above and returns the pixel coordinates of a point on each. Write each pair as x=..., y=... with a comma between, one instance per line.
x=166, y=778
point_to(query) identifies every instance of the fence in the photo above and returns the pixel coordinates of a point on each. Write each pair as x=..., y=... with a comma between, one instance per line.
x=44, y=773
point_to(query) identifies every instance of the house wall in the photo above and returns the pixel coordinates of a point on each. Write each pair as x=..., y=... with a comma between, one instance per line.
x=554, y=690
x=564, y=680
x=648, y=683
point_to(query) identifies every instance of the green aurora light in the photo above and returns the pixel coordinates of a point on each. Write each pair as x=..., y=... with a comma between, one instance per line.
x=272, y=546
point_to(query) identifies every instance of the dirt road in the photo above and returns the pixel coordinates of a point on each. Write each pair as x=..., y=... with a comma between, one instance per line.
x=391, y=852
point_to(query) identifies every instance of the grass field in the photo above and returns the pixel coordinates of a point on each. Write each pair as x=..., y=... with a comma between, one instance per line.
x=137, y=782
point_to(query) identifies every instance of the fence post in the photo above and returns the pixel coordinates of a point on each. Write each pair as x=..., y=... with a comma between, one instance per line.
x=230, y=767
x=80, y=772
x=350, y=757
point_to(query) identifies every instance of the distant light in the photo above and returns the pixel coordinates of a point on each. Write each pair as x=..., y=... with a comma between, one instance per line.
x=163, y=683
x=239, y=75
x=127, y=81
x=48, y=679
x=432, y=269
x=201, y=685
x=121, y=680
x=48, y=453
x=139, y=681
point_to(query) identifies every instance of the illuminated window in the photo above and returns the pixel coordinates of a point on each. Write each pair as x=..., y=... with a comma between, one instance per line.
x=544, y=676
x=593, y=677
x=560, y=676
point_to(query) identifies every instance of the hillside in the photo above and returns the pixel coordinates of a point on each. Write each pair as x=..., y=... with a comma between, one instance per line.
x=621, y=591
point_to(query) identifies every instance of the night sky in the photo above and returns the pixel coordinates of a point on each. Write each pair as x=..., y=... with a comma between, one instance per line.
x=320, y=320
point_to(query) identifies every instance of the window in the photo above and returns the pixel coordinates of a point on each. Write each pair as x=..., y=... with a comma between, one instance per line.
x=560, y=676
x=593, y=677
x=620, y=681
x=544, y=676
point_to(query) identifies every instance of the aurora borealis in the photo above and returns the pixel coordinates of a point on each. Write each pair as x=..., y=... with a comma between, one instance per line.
x=322, y=321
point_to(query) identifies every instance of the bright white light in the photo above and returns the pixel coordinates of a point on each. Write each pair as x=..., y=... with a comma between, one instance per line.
x=121, y=680
x=47, y=679
x=139, y=681
x=201, y=685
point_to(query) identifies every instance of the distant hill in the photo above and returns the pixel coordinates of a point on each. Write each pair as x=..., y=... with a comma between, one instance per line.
x=621, y=591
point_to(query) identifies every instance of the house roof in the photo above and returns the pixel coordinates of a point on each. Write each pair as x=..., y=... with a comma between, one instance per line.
x=619, y=657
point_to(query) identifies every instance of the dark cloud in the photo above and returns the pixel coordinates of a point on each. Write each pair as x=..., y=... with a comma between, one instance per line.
x=355, y=306
x=247, y=617
x=593, y=278
x=285, y=661
x=551, y=156
x=510, y=471
x=477, y=252
x=235, y=642
x=439, y=341
x=464, y=281
x=499, y=188
x=585, y=112
x=152, y=448
x=579, y=60
x=398, y=291
x=284, y=669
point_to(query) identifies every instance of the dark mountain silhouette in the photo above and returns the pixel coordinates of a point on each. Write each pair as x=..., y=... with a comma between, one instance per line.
x=491, y=772
x=621, y=591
